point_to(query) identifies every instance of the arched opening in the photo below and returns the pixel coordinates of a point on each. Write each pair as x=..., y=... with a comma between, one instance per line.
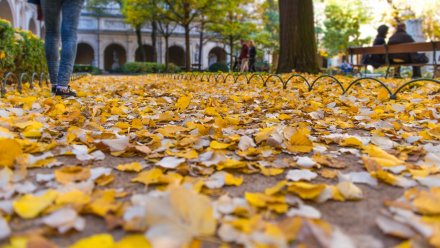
x=216, y=55
x=149, y=52
x=33, y=27
x=6, y=12
x=114, y=57
x=84, y=54
x=176, y=55
x=43, y=32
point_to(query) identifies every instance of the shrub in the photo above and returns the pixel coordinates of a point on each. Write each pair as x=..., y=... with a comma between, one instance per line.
x=20, y=51
x=147, y=67
x=8, y=47
x=86, y=68
x=30, y=53
x=219, y=67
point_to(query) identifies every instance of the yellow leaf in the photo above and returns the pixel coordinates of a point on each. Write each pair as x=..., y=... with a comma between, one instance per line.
x=30, y=206
x=284, y=117
x=231, y=180
x=133, y=241
x=276, y=188
x=218, y=145
x=305, y=190
x=211, y=111
x=382, y=157
x=95, y=241
x=428, y=202
x=300, y=142
x=70, y=174
x=264, y=134
x=156, y=176
x=183, y=103
x=195, y=210
x=9, y=151
x=75, y=197
x=133, y=167
x=275, y=203
x=351, y=141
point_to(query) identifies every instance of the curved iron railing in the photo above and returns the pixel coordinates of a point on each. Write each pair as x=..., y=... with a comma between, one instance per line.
x=30, y=78
x=265, y=78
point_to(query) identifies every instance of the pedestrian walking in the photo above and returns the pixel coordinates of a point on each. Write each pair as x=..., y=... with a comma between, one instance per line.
x=61, y=18
x=244, y=56
x=252, y=56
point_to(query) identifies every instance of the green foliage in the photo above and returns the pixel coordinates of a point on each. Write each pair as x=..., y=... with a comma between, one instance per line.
x=86, y=68
x=342, y=25
x=219, y=67
x=7, y=47
x=139, y=12
x=235, y=23
x=30, y=55
x=20, y=51
x=146, y=67
x=268, y=35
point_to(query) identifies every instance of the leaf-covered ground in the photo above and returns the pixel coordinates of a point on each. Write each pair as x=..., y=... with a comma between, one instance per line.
x=152, y=161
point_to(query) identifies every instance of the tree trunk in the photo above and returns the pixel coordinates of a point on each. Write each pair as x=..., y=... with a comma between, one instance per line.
x=154, y=39
x=231, y=46
x=140, y=45
x=202, y=27
x=187, y=48
x=297, y=37
x=167, y=56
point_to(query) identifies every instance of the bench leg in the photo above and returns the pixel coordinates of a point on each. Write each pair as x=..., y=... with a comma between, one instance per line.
x=388, y=71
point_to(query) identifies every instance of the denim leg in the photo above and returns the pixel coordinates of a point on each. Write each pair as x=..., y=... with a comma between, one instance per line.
x=71, y=10
x=52, y=13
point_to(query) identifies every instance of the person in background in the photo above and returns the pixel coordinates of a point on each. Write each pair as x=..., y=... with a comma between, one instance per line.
x=346, y=67
x=252, y=56
x=377, y=60
x=399, y=37
x=61, y=18
x=244, y=56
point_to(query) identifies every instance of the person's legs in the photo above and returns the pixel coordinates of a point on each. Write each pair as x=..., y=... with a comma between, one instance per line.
x=244, y=65
x=417, y=72
x=51, y=13
x=71, y=10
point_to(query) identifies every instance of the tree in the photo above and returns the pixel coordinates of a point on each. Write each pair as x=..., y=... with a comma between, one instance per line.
x=184, y=13
x=342, y=26
x=137, y=13
x=268, y=35
x=297, y=37
x=166, y=29
x=234, y=24
x=206, y=17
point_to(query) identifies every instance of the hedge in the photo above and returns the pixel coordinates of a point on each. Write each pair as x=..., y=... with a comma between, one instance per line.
x=219, y=67
x=147, y=67
x=20, y=51
x=86, y=68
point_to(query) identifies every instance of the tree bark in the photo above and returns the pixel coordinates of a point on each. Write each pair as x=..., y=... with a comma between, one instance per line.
x=187, y=48
x=298, y=49
x=231, y=46
x=154, y=39
x=202, y=27
x=140, y=45
x=167, y=56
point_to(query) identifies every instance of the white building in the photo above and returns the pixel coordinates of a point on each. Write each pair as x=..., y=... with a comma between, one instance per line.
x=21, y=14
x=106, y=41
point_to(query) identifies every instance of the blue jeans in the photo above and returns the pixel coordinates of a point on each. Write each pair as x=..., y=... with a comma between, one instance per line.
x=61, y=18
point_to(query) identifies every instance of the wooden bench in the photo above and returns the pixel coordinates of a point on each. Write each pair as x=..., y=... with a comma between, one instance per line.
x=395, y=49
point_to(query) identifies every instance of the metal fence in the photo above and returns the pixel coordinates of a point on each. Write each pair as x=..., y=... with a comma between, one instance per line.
x=31, y=78
x=311, y=84
x=43, y=80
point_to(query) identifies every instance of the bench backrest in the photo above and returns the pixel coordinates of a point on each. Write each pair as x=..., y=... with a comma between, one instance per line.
x=398, y=48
